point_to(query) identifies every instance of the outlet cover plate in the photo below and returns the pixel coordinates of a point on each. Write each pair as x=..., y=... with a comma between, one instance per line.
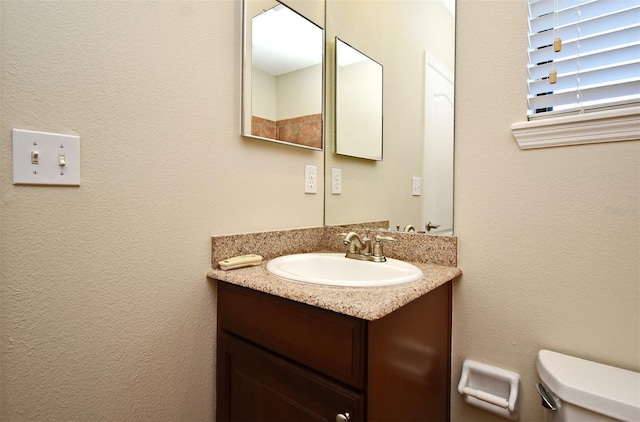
x=336, y=181
x=416, y=189
x=310, y=179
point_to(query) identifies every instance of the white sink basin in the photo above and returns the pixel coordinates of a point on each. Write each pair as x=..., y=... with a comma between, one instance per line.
x=335, y=270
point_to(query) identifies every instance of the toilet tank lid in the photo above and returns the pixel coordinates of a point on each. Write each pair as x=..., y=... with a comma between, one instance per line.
x=604, y=389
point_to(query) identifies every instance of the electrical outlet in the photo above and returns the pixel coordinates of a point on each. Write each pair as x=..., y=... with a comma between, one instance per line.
x=336, y=181
x=310, y=179
x=416, y=187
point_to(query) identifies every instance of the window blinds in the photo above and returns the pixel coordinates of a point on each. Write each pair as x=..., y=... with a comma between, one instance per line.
x=599, y=60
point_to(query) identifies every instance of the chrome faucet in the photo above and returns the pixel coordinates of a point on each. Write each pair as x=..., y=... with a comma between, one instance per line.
x=361, y=248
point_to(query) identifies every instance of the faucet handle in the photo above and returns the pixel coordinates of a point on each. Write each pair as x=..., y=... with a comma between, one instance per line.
x=378, y=253
x=380, y=239
x=430, y=226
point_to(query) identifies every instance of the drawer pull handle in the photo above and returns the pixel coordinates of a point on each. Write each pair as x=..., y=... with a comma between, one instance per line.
x=343, y=417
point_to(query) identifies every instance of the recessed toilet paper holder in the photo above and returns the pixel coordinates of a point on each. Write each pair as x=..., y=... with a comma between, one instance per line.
x=490, y=388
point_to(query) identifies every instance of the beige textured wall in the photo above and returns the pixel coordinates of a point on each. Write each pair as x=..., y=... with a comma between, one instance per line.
x=301, y=91
x=106, y=311
x=1, y=260
x=548, y=239
x=263, y=94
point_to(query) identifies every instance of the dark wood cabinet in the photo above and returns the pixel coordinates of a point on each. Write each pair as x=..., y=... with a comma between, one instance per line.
x=261, y=386
x=280, y=360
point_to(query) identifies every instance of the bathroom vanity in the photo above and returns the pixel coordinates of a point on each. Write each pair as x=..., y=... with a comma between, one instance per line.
x=283, y=360
x=292, y=351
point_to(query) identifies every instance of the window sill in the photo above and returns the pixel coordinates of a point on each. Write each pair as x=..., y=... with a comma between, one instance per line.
x=600, y=126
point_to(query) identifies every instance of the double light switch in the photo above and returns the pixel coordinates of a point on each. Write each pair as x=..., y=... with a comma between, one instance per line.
x=41, y=158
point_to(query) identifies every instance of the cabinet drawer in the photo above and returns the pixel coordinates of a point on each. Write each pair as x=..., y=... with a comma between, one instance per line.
x=323, y=340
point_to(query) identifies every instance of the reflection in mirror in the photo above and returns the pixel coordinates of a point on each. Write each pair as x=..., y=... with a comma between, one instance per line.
x=358, y=96
x=437, y=160
x=415, y=40
x=282, y=75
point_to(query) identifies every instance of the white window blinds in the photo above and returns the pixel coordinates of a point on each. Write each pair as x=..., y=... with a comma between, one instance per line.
x=583, y=54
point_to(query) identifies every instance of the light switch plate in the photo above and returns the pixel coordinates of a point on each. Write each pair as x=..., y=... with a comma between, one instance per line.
x=41, y=158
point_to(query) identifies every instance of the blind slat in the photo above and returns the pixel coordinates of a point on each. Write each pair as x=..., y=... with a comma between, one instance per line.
x=585, y=28
x=601, y=41
x=610, y=57
x=621, y=91
x=569, y=15
x=600, y=76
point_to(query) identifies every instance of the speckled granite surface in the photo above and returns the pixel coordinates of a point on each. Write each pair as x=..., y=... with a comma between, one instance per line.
x=412, y=247
x=434, y=255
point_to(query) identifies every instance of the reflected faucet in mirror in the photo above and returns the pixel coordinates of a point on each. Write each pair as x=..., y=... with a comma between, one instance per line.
x=428, y=227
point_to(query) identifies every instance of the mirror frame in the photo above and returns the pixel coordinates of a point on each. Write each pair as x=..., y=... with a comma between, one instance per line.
x=365, y=133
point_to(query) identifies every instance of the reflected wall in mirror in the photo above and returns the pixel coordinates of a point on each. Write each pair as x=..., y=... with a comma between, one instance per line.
x=282, y=81
x=406, y=37
x=358, y=108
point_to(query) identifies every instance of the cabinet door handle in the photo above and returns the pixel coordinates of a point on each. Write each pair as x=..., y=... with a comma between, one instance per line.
x=340, y=417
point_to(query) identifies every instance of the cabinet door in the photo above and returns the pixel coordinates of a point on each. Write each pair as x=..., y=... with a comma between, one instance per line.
x=255, y=385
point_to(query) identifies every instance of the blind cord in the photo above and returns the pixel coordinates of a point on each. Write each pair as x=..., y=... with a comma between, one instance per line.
x=578, y=93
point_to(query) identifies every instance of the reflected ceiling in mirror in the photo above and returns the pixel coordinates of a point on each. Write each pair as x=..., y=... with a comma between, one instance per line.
x=358, y=95
x=282, y=81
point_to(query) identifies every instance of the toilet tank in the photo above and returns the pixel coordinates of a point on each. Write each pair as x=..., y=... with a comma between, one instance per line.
x=588, y=391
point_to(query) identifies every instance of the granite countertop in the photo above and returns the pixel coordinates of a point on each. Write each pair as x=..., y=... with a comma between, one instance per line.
x=369, y=303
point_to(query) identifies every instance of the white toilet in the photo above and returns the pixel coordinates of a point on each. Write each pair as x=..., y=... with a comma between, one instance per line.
x=578, y=390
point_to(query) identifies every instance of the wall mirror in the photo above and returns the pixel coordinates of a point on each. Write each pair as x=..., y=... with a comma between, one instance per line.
x=358, y=107
x=415, y=42
x=282, y=78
